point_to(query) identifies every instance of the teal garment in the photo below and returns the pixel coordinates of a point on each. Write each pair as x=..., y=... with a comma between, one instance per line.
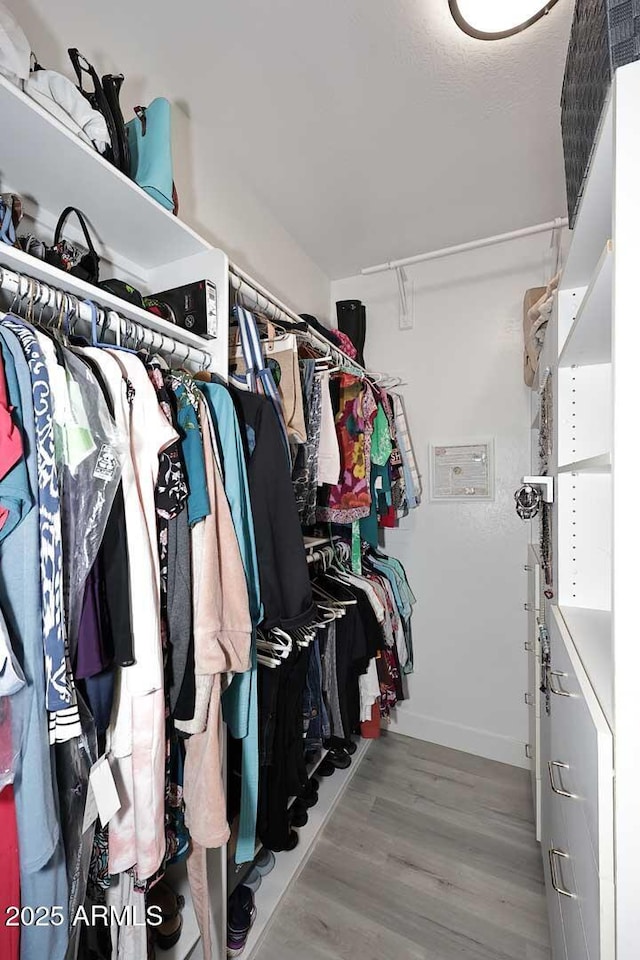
x=240, y=699
x=198, y=505
x=404, y=582
x=396, y=581
x=43, y=875
x=380, y=478
x=380, y=503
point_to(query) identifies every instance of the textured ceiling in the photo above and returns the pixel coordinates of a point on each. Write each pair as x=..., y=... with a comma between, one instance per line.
x=373, y=129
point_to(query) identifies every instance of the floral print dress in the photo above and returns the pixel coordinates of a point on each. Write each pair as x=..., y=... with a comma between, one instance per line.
x=350, y=499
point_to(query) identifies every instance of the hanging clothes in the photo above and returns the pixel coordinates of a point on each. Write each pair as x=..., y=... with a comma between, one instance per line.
x=350, y=499
x=43, y=878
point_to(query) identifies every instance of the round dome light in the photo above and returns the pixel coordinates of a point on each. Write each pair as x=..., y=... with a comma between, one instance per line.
x=497, y=19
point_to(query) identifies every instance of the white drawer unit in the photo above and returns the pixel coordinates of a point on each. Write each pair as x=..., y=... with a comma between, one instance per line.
x=578, y=806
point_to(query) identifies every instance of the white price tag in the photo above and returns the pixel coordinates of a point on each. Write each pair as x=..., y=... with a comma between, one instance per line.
x=90, y=810
x=104, y=790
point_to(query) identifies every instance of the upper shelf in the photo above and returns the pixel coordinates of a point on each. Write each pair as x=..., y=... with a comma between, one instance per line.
x=127, y=221
x=593, y=226
x=23, y=263
x=589, y=339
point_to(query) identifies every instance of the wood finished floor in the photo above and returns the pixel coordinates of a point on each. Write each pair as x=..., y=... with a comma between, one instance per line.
x=430, y=855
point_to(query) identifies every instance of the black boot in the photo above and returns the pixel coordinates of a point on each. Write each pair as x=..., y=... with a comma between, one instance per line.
x=352, y=320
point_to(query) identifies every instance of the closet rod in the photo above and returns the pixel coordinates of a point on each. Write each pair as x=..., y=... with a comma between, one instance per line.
x=252, y=291
x=546, y=227
x=44, y=295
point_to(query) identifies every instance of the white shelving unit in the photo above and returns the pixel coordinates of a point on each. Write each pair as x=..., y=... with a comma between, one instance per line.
x=137, y=239
x=592, y=348
x=140, y=242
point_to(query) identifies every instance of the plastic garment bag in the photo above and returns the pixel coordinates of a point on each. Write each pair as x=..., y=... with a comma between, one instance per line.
x=11, y=707
x=90, y=473
x=11, y=730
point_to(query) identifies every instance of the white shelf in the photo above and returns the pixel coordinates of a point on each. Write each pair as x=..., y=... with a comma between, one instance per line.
x=20, y=262
x=591, y=634
x=599, y=464
x=290, y=864
x=593, y=226
x=589, y=339
x=127, y=221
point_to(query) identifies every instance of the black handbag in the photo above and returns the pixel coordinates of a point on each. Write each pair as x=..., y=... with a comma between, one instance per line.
x=71, y=258
x=105, y=99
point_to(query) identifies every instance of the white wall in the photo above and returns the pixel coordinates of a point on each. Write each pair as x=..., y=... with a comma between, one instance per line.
x=213, y=198
x=463, y=367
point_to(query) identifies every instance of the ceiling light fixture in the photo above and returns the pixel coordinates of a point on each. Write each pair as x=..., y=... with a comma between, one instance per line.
x=497, y=19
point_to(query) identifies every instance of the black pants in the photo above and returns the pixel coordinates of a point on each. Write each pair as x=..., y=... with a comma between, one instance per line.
x=283, y=772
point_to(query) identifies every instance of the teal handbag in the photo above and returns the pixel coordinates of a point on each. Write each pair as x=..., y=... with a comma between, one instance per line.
x=149, y=135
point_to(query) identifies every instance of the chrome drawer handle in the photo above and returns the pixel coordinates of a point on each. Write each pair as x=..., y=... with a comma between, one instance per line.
x=528, y=751
x=561, y=793
x=529, y=607
x=558, y=692
x=528, y=568
x=528, y=645
x=553, y=853
x=528, y=699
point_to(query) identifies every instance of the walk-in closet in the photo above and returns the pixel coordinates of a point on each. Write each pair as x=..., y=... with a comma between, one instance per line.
x=318, y=380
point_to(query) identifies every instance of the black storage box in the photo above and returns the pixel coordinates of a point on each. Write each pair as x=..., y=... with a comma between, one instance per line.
x=605, y=35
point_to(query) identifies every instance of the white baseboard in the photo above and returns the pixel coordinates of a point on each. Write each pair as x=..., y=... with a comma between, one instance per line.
x=482, y=743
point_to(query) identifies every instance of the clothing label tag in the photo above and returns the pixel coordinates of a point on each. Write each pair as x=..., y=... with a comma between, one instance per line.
x=90, y=810
x=107, y=463
x=104, y=789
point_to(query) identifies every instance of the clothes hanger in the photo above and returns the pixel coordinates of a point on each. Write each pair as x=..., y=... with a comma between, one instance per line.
x=267, y=661
x=275, y=645
x=302, y=642
x=98, y=317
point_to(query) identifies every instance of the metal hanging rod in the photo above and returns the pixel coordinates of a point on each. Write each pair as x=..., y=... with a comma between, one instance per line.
x=547, y=227
x=254, y=294
x=44, y=296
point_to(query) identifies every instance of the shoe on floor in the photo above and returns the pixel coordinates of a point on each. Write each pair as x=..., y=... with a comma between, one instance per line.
x=307, y=804
x=241, y=916
x=339, y=758
x=265, y=862
x=298, y=816
x=253, y=879
x=162, y=895
x=326, y=769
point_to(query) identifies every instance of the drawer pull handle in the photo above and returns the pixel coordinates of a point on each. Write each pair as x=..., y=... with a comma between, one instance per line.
x=561, y=793
x=558, y=692
x=528, y=751
x=553, y=853
x=528, y=568
x=528, y=645
x=529, y=607
x=528, y=699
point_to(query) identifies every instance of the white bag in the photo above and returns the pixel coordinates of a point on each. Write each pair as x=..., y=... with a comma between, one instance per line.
x=15, y=51
x=60, y=97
